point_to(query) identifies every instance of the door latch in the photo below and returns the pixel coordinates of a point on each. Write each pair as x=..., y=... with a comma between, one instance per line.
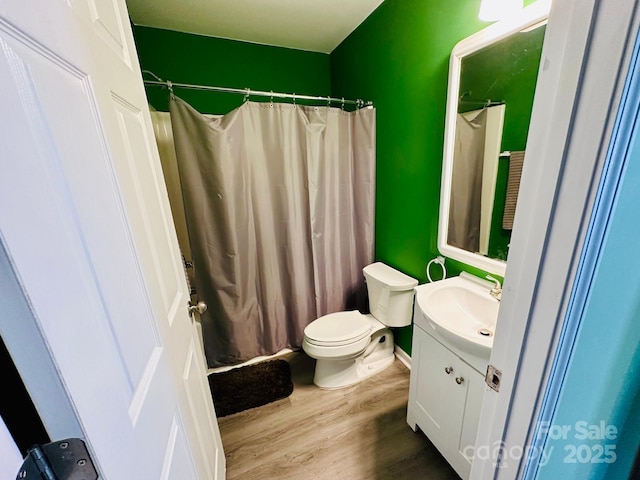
x=493, y=377
x=64, y=460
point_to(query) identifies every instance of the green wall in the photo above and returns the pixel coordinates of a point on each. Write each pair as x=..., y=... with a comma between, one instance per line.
x=399, y=59
x=197, y=59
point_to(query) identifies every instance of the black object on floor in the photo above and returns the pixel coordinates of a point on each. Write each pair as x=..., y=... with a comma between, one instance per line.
x=251, y=386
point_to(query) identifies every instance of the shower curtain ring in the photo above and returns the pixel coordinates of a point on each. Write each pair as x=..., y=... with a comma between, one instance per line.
x=271, y=101
x=246, y=95
x=170, y=87
x=342, y=105
x=294, y=101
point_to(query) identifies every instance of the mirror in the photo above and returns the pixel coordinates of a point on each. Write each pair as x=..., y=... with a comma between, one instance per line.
x=492, y=79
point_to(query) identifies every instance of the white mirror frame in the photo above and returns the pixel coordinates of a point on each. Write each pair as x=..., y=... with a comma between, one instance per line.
x=527, y=17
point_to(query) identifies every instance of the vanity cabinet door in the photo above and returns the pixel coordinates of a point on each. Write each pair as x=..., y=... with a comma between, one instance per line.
x=437, y=395
x=444, y=400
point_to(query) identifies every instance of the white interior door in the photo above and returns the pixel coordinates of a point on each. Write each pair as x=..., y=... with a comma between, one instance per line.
x=85, y=222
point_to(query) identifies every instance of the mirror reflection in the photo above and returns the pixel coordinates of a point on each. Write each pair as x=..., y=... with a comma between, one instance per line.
x=495, y=99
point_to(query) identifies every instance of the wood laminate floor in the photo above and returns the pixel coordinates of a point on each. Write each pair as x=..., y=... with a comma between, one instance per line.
x=353, y=433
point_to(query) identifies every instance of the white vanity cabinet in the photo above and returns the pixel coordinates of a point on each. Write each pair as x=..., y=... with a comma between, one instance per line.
x=445, y=397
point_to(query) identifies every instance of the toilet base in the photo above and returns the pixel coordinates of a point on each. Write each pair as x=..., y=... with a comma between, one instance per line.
x=378, y=355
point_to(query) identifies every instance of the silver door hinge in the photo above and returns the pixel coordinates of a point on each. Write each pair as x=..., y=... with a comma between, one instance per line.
x=64, y=460
x=492, y=378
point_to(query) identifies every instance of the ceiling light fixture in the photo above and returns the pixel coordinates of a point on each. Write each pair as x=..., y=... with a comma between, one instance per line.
x=494, y=10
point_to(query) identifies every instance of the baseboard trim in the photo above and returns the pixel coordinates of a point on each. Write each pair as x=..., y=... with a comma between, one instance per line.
x=402, y=356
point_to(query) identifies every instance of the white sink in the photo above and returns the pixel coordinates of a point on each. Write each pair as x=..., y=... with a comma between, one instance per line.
x=462, y=312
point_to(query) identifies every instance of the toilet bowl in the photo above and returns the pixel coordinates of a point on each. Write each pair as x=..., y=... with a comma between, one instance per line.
x=351, y=346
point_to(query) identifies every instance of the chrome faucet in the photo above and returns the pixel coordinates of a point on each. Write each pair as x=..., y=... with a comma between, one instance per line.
x=496, y=291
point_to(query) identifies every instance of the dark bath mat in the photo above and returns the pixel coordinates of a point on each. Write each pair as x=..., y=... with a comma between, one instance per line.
x=251, y=386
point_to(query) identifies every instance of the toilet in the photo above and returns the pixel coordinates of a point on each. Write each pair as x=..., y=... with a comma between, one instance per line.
x=351, y=346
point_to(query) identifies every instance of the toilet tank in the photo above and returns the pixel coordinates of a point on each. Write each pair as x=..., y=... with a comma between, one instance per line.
x=390, y=294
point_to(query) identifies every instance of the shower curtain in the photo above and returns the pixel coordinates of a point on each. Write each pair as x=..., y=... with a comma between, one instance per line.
x=279, y=203
x=466, y=183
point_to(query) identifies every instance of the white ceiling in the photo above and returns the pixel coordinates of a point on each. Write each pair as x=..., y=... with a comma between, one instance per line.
x=314, y=25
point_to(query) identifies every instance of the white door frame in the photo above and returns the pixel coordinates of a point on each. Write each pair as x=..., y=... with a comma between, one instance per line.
x=10, y=457
x=584, y=62
x=32, y=359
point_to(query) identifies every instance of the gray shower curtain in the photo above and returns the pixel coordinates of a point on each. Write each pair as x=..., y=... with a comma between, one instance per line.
x=279, y=201
x=466, y=183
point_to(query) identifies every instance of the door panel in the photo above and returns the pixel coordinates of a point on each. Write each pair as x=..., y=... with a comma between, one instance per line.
x=177, y=455
x=136, y=177
x=107, y=22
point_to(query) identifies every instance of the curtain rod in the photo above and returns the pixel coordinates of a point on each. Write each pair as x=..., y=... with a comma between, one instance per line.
x=248, y=92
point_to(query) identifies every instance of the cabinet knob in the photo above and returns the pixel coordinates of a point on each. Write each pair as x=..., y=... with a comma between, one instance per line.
x=448, y=370
x=459, y=380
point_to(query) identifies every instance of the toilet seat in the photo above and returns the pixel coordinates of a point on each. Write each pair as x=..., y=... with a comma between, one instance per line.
x=337, y=329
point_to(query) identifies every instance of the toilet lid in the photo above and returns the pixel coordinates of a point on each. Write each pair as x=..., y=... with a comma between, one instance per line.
x=338, y=328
